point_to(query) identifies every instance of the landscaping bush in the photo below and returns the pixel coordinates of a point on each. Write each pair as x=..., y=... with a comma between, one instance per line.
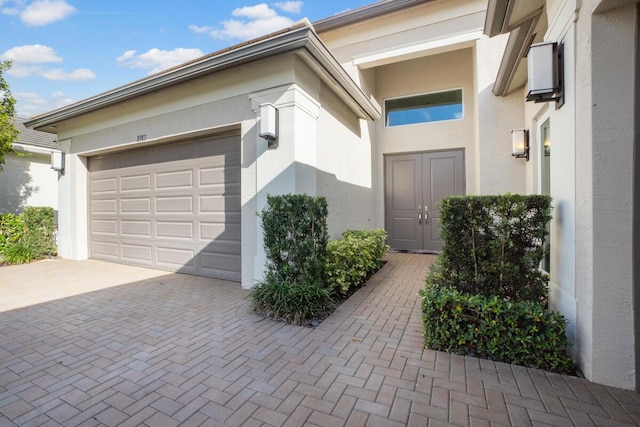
x=494, y=245
x=523, y=333
x=354, y=257
x=295, y=238
x=40, y=231
x=29, y=236
x=291, y=302
x=11, y=230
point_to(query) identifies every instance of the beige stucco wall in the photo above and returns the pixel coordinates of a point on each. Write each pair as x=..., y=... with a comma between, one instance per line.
x=27, y=181
x=497, y=171
x=451, y=70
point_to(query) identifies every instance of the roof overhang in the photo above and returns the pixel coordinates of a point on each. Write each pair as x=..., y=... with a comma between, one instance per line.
x=300, y=39
x=504, y=16
x=524, y=21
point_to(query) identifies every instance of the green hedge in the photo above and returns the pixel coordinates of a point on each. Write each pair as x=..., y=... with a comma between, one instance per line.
x=295, y=238
x=524, y=333
x=354, y=257
x=29, y=236
x=494, y=245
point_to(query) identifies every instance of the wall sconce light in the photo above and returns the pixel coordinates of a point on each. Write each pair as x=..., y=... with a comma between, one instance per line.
x=269, y=124
x=57, y=161
x=520, y=141
x=545, y=72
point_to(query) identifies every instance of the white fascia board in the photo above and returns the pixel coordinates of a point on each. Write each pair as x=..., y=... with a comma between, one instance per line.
x=404, y=53
x=24, y=148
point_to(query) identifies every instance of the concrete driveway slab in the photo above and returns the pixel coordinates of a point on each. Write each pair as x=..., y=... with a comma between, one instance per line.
x=171, y=349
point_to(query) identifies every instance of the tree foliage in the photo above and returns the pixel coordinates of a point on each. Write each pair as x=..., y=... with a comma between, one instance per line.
x=8, y=130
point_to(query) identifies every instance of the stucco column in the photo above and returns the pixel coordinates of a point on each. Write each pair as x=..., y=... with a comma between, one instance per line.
x=605, y=118
x=72, y=205
x=291, y=167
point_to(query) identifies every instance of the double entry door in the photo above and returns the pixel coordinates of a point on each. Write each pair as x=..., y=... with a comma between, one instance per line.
x=414, y=185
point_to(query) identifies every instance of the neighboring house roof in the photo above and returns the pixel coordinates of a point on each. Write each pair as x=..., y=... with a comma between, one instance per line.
x=33, y=137
x=300, y=39
x=364, y=13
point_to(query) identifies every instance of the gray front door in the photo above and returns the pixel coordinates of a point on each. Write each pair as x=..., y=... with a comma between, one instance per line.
x=414, y=185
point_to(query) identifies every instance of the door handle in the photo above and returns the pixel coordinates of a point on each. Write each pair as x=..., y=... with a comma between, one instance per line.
x=419, y=218
x=426, y=213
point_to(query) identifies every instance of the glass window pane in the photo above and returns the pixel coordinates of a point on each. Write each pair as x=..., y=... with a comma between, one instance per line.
x=545, y=169
x=431, y=107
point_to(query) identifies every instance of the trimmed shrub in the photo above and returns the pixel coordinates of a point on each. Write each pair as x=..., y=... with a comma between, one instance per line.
x=295, y=238
x=11, y=230
x=354, y=257
x=524, y=333
x=18, y=253
x=291, y=302
x=29, y=236
x=494, y=245
x=40, y=231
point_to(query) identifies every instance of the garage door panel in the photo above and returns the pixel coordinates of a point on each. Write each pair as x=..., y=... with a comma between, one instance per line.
x=137, y=205
x=105, y=226
x=219, y=176
x=174, y=229
x=174, y=204
x=135, y=182
x=175, y=207
x=221, y=262
x=219, y=203
x=136, y=253
x=102, y=186
x=108, y=206
x=176, y=256
x=212, y=231
x=105, y=249
x=135, y=228
x=175, y=179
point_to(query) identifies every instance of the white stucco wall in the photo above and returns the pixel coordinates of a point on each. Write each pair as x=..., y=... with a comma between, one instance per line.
x=27, y=181
x=591, y=183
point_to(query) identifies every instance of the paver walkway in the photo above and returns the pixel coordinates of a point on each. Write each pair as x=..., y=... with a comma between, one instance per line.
x=182, y=350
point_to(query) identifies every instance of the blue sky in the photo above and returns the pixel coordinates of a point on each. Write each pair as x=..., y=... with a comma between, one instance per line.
x=67, y=50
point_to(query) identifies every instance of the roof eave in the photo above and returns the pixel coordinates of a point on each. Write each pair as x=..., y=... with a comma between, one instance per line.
x=516, y=49
x=297, y=39
x=364, y=13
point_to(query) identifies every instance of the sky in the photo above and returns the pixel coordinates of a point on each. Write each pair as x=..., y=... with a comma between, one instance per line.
x=64, y=51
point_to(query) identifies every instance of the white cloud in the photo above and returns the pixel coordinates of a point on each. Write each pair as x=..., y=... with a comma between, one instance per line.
x=75, y=75
x=32, y=54
x=289, y=6
x=200, y=29
x=30, y=103
x=251, y=22
x=27, y=59
x=157, y=60
x=43, y=12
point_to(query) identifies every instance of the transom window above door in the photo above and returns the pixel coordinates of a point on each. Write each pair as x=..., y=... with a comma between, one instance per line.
x=430, y=107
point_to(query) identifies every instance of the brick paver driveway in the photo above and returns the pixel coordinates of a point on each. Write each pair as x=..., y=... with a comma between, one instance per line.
x=181, y=350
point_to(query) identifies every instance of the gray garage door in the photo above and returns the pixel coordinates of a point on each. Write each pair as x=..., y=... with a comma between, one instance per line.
x=174, y=207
